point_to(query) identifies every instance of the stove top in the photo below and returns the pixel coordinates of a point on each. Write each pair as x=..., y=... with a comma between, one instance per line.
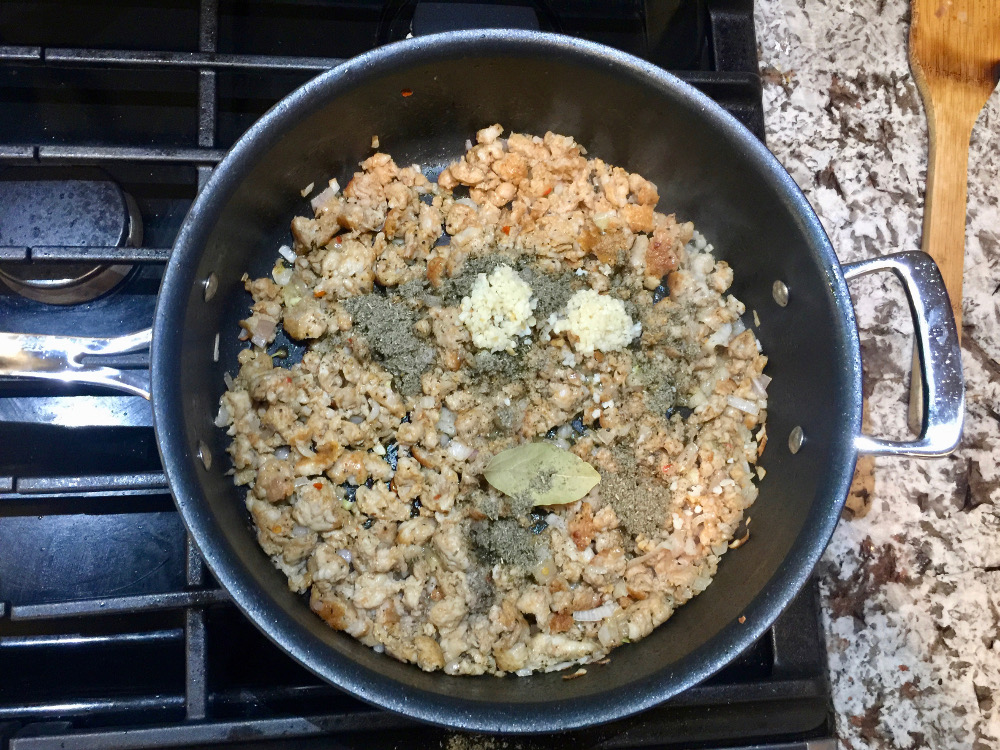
x=112, y=633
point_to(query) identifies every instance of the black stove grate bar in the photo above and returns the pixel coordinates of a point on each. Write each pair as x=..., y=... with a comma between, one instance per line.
x=9, y=642
x=77, y=155
x=87, y=154
x=783, y=694
x=214, y=61
x=117, y=605
x=229, y=701
x=195, y=644
x=50, y=713
x=201, y=60
x=76, y=254
x=184, y=735
x=20, y=54
x=153, y=480
x=156, y=499
x=17, y=154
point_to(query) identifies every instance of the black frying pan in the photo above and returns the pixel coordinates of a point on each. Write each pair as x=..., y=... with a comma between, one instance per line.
x=709, y=169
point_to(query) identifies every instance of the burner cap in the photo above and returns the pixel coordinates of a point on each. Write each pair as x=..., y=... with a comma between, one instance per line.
x=65, y=213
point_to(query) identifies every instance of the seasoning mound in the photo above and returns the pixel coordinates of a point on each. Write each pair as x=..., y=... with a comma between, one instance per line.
x=509, y=451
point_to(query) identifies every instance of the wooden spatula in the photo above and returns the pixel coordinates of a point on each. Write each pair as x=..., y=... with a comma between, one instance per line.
x=955, y=58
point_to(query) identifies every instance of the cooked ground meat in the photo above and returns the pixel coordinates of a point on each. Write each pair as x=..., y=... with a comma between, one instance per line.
x=365, y=461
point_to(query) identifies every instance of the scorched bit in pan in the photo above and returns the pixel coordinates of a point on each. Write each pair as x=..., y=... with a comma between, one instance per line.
x=507, y=447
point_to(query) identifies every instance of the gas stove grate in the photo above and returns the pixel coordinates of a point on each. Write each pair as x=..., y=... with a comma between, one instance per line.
x=112, y=632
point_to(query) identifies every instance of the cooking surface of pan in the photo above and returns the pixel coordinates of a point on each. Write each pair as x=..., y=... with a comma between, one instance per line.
x=708, y=169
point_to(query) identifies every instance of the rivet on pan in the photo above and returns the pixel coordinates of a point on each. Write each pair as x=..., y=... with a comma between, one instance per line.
x=205, y=455
x=211, y=284
x=795, y=438
x=780, y=293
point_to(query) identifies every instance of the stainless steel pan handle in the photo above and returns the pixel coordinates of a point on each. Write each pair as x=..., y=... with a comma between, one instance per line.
x=71, y=359
x=938, y=350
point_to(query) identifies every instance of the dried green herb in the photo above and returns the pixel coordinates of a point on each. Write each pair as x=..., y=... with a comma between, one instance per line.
x=541, y=473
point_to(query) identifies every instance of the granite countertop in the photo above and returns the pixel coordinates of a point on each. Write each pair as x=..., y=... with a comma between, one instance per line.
x=911, y=582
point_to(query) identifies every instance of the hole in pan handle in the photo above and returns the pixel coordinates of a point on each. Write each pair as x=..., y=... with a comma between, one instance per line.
x=61, y=358
x=938, y=351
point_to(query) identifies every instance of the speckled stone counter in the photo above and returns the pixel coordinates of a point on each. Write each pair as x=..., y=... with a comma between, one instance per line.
x=911, y=581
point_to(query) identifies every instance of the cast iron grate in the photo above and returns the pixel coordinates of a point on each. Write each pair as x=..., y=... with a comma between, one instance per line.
x=112, y=633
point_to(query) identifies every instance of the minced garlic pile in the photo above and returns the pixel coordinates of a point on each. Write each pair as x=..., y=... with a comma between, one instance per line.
x=500, y=308
x=598, y=321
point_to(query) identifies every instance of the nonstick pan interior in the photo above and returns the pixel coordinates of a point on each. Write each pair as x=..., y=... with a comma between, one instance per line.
x=709, y=170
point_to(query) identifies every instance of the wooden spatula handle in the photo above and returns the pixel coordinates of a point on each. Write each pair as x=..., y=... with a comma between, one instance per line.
x=945, y=203
x=944, y=223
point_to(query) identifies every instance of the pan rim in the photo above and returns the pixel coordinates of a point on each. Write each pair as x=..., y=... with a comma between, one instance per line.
x=452, y=711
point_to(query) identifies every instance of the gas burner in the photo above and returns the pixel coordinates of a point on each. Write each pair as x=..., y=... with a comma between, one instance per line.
x=81, y=208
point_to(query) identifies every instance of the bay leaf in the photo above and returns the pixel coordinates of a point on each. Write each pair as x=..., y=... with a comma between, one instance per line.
x=542, y=473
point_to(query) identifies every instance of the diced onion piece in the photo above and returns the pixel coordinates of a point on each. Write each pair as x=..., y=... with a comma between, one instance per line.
x=282, y=453
x=459, y=450
x=468, y=202
x=229, y=380
x=738, y=327
x=613, y=630
x=346, y=554
x=446, y=421
x=596, y=614
x=764, y=380
x=465, y=236
x=281, y=274
x=696, y=399
x=326, y=196
x=758, y=389
x=545, y=571
x=748, y=407
x=287, y=253
x=263, y=331
x=603, y=220
x=556, y=522
x=224, y=418
x=720, y=337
